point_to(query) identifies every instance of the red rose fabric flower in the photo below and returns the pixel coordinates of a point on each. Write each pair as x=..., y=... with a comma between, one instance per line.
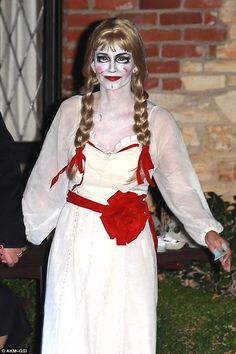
x=125, y=216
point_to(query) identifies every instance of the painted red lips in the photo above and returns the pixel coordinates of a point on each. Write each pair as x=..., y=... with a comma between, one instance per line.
x=112, y=78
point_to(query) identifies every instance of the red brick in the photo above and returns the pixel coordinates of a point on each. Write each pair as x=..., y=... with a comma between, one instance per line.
x=72, y=35
x=153, y=35
x=115, y=4
x=75, y=4
x=159, y=4
x=151, y=83
x=67, y=68
x=212, y=51
x=140, y=18
x=206, y=34
x=68, y=84
x=180, y=18
x=182, y=51
x=196, y=4
x=151, y=50
x=210, y=18
x=171, y=84
x=69, y=53
x=163, y=66
x=84, y=20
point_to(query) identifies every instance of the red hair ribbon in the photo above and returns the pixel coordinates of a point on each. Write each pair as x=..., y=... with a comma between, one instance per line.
x=77, y=159
x=145, y=164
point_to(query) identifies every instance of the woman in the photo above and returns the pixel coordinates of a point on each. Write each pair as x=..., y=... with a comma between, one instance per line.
x=102, y=284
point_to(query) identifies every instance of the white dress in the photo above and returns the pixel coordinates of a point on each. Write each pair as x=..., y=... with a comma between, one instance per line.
x=101, y=298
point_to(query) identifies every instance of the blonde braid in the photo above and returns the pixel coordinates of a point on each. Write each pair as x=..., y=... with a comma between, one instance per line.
x=141, y=124
x=86, y=123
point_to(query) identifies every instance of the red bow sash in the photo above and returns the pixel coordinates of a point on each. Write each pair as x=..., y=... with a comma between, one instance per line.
x=124, y=217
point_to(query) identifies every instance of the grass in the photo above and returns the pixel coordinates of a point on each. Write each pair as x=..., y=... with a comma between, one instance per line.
x=194, y=321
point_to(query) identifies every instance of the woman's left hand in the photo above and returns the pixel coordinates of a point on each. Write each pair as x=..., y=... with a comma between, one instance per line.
x=215, y=241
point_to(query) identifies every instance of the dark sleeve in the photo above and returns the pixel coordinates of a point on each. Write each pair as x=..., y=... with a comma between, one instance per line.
x=12, y=231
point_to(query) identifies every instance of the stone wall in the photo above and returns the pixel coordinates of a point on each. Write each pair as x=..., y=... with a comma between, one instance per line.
x=191, y=57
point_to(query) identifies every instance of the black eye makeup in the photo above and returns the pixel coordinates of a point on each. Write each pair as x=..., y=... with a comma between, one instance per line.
x=102, y=58
x=121, y=58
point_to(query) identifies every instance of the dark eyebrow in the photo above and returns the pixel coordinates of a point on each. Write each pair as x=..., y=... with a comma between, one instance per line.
x=101, y=53
x=121, y=54
x=117, y=55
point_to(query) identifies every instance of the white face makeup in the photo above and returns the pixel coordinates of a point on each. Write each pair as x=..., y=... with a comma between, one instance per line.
x=113, y=67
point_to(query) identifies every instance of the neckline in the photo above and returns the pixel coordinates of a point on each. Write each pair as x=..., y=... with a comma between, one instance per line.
x=124, y=148
x=123, y=142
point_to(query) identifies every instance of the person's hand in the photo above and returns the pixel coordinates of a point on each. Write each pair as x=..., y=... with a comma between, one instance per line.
x=215, y=241
x=11, y=256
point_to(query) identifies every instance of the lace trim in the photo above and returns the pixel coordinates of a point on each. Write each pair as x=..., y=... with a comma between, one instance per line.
x=124, y=142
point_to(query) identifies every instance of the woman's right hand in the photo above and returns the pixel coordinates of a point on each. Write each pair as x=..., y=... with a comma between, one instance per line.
x=11, y=256
x=215, y=241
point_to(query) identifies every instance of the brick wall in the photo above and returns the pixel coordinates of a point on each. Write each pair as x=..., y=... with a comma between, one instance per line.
x=191, y=56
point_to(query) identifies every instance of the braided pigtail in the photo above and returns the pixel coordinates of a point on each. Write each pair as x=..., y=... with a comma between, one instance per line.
x=86, y=123
x=141, y=124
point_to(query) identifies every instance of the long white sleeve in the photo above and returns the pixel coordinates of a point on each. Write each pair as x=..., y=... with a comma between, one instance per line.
x=41, y=204
x=177, y=179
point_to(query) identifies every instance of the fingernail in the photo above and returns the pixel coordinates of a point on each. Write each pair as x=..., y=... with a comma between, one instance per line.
x=224, y=246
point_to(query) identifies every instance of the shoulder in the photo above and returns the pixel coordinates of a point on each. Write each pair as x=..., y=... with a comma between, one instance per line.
x=71, y=105
x=66, y=120
x=160, y=117
x=68, y=114
x=162, y=125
